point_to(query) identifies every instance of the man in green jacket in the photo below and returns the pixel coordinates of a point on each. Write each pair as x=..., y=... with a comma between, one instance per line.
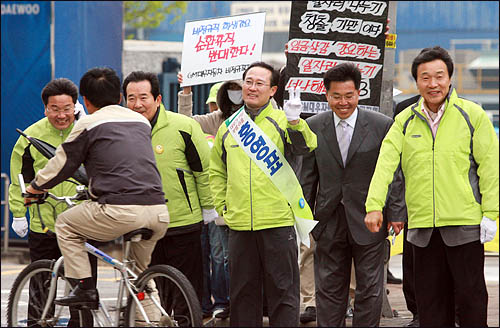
x=262, y=240
x=448, y=151
x=59, y=97
x=182, y=156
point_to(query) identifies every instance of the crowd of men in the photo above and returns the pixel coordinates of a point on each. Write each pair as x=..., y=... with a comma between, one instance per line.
x=433, y=170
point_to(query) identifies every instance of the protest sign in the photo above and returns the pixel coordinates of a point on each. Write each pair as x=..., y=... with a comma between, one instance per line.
x=220, y=49
x=326, y=33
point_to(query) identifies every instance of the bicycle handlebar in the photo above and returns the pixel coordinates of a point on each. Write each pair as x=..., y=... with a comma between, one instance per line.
x=69, y=200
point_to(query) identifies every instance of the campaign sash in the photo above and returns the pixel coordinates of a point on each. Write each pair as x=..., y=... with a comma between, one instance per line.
x=267, y=156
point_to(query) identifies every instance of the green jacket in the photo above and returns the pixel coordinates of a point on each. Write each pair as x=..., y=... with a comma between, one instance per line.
x=182, y=157
x=451, y=179
x=243, y=194
x=27, y=160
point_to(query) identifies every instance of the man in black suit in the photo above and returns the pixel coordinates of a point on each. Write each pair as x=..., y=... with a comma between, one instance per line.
x=335, y=179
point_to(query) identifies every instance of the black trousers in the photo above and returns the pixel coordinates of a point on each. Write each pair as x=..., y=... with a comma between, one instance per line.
x=264, y=258
x=44, y=247
x=334, y=253
x=445, y=275
x=183, y=252
x=408, y=276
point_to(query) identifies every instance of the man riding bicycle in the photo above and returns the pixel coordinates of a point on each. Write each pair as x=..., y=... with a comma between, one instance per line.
x=61, y=110
x=114, y=144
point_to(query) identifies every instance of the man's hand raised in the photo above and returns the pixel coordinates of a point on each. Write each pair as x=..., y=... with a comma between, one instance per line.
x=293, y=107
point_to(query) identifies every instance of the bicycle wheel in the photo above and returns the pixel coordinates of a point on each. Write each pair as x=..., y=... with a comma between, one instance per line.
x=173, y=291
x=30, y=293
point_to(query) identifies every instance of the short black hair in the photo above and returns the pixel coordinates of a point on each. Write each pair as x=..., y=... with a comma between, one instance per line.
x=430, y=54
x=275, y=75
x=101, y=86
x=138, y=76
x=342, y=73
x=61, y=86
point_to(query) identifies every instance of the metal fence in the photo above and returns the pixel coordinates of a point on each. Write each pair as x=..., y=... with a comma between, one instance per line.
x=6, y=216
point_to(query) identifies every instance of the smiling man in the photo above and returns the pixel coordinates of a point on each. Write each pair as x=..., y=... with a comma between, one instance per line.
x=182, y=155
x=451, y=186
x=59, y=97
x=262, y=240
x=335, y=179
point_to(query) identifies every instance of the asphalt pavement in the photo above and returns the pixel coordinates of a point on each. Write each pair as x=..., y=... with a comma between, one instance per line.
x=14, y=262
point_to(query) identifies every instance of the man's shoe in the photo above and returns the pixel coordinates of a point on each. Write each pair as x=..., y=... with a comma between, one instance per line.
x=308, y=315
x=414, y=322
x=207, y=314
x=393, y=280
x=85, y=298
x=350, y=312
x=224, y=314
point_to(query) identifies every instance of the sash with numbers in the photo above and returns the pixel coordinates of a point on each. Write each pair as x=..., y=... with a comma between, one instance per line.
x=267, y=156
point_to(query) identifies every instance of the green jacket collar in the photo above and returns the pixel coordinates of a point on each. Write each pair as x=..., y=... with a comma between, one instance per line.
x=263, y=112
x=161, y=119
x=450, y=100
x=259, y=112
x=63, y=133
x=155, y=118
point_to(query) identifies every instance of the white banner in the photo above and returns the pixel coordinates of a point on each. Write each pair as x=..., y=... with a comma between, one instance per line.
x=220, y=49
x=267, y=156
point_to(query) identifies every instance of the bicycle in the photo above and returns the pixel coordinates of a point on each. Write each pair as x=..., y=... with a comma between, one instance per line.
x=146, y=305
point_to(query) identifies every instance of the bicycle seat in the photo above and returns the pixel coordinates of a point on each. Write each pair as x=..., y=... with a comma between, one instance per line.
x=145, y=232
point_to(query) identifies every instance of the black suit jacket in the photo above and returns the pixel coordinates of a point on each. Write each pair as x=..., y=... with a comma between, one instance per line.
x=325, y=181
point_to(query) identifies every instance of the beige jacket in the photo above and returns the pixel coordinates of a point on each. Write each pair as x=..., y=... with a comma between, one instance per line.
x=209, y=122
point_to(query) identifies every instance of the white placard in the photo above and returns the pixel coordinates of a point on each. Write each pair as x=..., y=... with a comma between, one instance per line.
x=220, y=49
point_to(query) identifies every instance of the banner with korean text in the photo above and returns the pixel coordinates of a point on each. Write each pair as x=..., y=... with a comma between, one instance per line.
x=220, y=49
x=268, y=157
x=326, y=33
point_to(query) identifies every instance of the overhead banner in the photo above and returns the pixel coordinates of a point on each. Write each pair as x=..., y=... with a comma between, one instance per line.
x=326, y=33
x=220, y=49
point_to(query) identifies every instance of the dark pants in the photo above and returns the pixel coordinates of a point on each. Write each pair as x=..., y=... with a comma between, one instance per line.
x=445, y=275
x=44, y=247
x=264, y=258
x=408, y=276
x=224, y=235
x=206, y=299
x=333, y=256
x=214, y=278
x=183, y=252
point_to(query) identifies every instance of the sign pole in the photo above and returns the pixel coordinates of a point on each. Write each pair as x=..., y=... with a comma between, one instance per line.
x=386, y=102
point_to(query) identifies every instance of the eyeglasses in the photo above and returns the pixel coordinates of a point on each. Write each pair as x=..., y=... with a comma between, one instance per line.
x=336, y=97
x=258, y=84
x=57, y=111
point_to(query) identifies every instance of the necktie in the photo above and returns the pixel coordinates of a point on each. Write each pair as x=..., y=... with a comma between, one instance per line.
x=343, y=140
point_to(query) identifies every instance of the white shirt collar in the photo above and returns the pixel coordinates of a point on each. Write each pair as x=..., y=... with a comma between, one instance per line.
x=351, y=120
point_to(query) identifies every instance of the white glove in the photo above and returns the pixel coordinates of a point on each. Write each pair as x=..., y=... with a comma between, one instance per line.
x=488, y=230
x=79, y=110
x=293, y=107
x=209, y=215
x=20, y=226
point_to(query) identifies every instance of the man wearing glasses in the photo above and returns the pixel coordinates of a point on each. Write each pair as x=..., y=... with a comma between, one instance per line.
x=59, y=97
x=262, y=239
